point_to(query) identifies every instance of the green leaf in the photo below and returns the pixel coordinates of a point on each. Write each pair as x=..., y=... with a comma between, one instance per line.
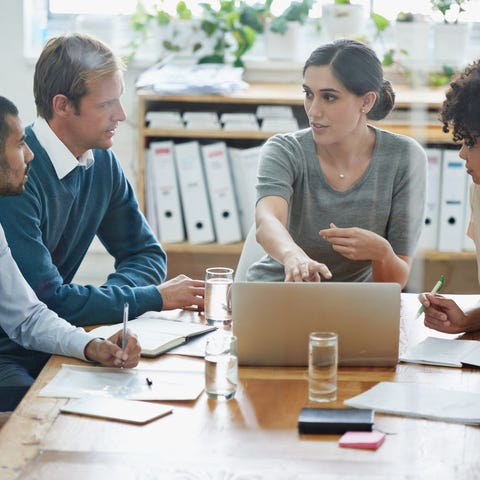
x=183, y=12
x=381, y=23
x=212, y=59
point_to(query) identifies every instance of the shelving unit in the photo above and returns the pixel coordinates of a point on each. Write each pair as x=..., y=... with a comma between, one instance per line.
x=414, y=115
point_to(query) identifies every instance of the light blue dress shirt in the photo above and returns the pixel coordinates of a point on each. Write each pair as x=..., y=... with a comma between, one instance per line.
x=28, y=321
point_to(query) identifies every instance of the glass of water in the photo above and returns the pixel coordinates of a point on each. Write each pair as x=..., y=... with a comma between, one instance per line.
x=322, y=366
x=218, y=299
x=221, y=366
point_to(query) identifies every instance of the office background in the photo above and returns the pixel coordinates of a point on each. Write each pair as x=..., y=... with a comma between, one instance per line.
x=16, y=83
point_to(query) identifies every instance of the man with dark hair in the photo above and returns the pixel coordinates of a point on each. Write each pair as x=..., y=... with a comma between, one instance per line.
x=23, y=318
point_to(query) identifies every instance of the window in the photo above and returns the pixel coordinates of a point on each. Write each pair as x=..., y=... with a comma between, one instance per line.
x=110, y=19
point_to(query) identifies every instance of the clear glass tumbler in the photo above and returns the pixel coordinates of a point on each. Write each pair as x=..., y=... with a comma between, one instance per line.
x=322, y=366
x=221, y=366
x=218, y=300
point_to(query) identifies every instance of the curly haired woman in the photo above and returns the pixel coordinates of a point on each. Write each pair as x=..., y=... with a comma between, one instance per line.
x=460, y=113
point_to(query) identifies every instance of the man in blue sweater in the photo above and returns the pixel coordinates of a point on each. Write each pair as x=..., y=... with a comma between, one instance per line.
x=77, y=190
x=25, y=319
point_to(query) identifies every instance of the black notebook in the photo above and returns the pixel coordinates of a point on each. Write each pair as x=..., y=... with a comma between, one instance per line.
x=335, y=420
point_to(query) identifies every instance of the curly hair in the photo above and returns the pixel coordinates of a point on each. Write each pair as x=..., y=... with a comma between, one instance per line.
x=461, y=110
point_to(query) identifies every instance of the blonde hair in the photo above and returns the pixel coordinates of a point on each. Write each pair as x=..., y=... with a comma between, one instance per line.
x=65, y=65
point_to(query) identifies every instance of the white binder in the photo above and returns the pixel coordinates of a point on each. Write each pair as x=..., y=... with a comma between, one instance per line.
x=165, y=192
x=468, y=243
x=244, y=162
x=193, y=192
x=150, y=204
x=452, y=203
x=221, y=193
x=429, y=237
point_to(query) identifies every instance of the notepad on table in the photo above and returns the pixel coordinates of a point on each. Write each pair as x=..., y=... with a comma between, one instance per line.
x=158, y=335
x=444, y=352
x=131, y=411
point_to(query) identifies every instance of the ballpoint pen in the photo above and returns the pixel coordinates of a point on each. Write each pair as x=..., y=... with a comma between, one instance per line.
x=125, y=320
x=438, y=286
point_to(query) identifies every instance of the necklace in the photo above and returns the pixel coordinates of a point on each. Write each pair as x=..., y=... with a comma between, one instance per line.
x=341, y=175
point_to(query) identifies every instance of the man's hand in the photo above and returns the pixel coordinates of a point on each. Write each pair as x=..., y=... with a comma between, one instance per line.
x=109, y=352
x=181, y=292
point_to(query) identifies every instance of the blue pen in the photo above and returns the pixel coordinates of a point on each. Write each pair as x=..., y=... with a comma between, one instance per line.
x=124, y=331
x=438, y=286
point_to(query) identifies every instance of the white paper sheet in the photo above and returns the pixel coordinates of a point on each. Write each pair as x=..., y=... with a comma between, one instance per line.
x=78, y=381
x=422, y=401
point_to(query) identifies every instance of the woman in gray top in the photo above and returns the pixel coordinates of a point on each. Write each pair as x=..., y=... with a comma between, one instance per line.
x=341, y=200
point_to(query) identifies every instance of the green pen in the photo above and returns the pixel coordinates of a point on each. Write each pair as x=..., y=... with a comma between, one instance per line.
x=438, y=286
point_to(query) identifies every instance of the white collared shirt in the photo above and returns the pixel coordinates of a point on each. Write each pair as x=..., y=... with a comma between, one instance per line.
x=61, y=157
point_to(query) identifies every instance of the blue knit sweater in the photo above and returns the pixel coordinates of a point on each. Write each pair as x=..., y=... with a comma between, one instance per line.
x=50, y=227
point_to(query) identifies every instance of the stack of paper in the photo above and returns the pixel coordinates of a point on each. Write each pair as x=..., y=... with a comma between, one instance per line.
x=421, y=401
x=277, y=118
x=164, y=119
x=202, y=120
x=202, y=79
x=239, y=121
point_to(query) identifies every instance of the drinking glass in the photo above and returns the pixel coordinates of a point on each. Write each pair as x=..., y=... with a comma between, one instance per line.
x=221, y=366
x=322, y=366
x=218, y=301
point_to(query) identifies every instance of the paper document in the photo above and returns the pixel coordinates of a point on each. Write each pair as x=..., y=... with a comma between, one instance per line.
x=75, y=381
x=421, y=401
x=444, y=352
x=130, y=411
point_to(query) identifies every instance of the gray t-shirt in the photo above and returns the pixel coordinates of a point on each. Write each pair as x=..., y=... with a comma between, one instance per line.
x=388, y=199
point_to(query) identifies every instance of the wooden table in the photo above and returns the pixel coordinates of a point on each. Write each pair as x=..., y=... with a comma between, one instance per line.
x=253, y=436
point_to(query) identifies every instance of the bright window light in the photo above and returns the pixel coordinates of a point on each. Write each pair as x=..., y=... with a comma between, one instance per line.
x=92, y=6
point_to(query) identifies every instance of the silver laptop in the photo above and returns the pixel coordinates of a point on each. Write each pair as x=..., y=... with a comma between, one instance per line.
x=272, y=321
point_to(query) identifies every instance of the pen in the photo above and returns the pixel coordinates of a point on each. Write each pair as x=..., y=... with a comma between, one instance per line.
x=438, y=286
x=125, y=320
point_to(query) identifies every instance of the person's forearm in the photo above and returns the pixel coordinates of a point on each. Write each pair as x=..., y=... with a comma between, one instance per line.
x=275, y=239
x=391, y=268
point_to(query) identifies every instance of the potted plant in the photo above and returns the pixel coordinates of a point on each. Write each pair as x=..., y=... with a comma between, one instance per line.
x=450, y=35
x=282, y=31
x=157, y=32
x=412, y=35
x=233, y=32
x=220, y=35
x=343, y=19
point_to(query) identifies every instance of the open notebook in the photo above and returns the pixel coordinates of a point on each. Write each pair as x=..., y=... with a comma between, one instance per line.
x=157, y=335
x=272, y=321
